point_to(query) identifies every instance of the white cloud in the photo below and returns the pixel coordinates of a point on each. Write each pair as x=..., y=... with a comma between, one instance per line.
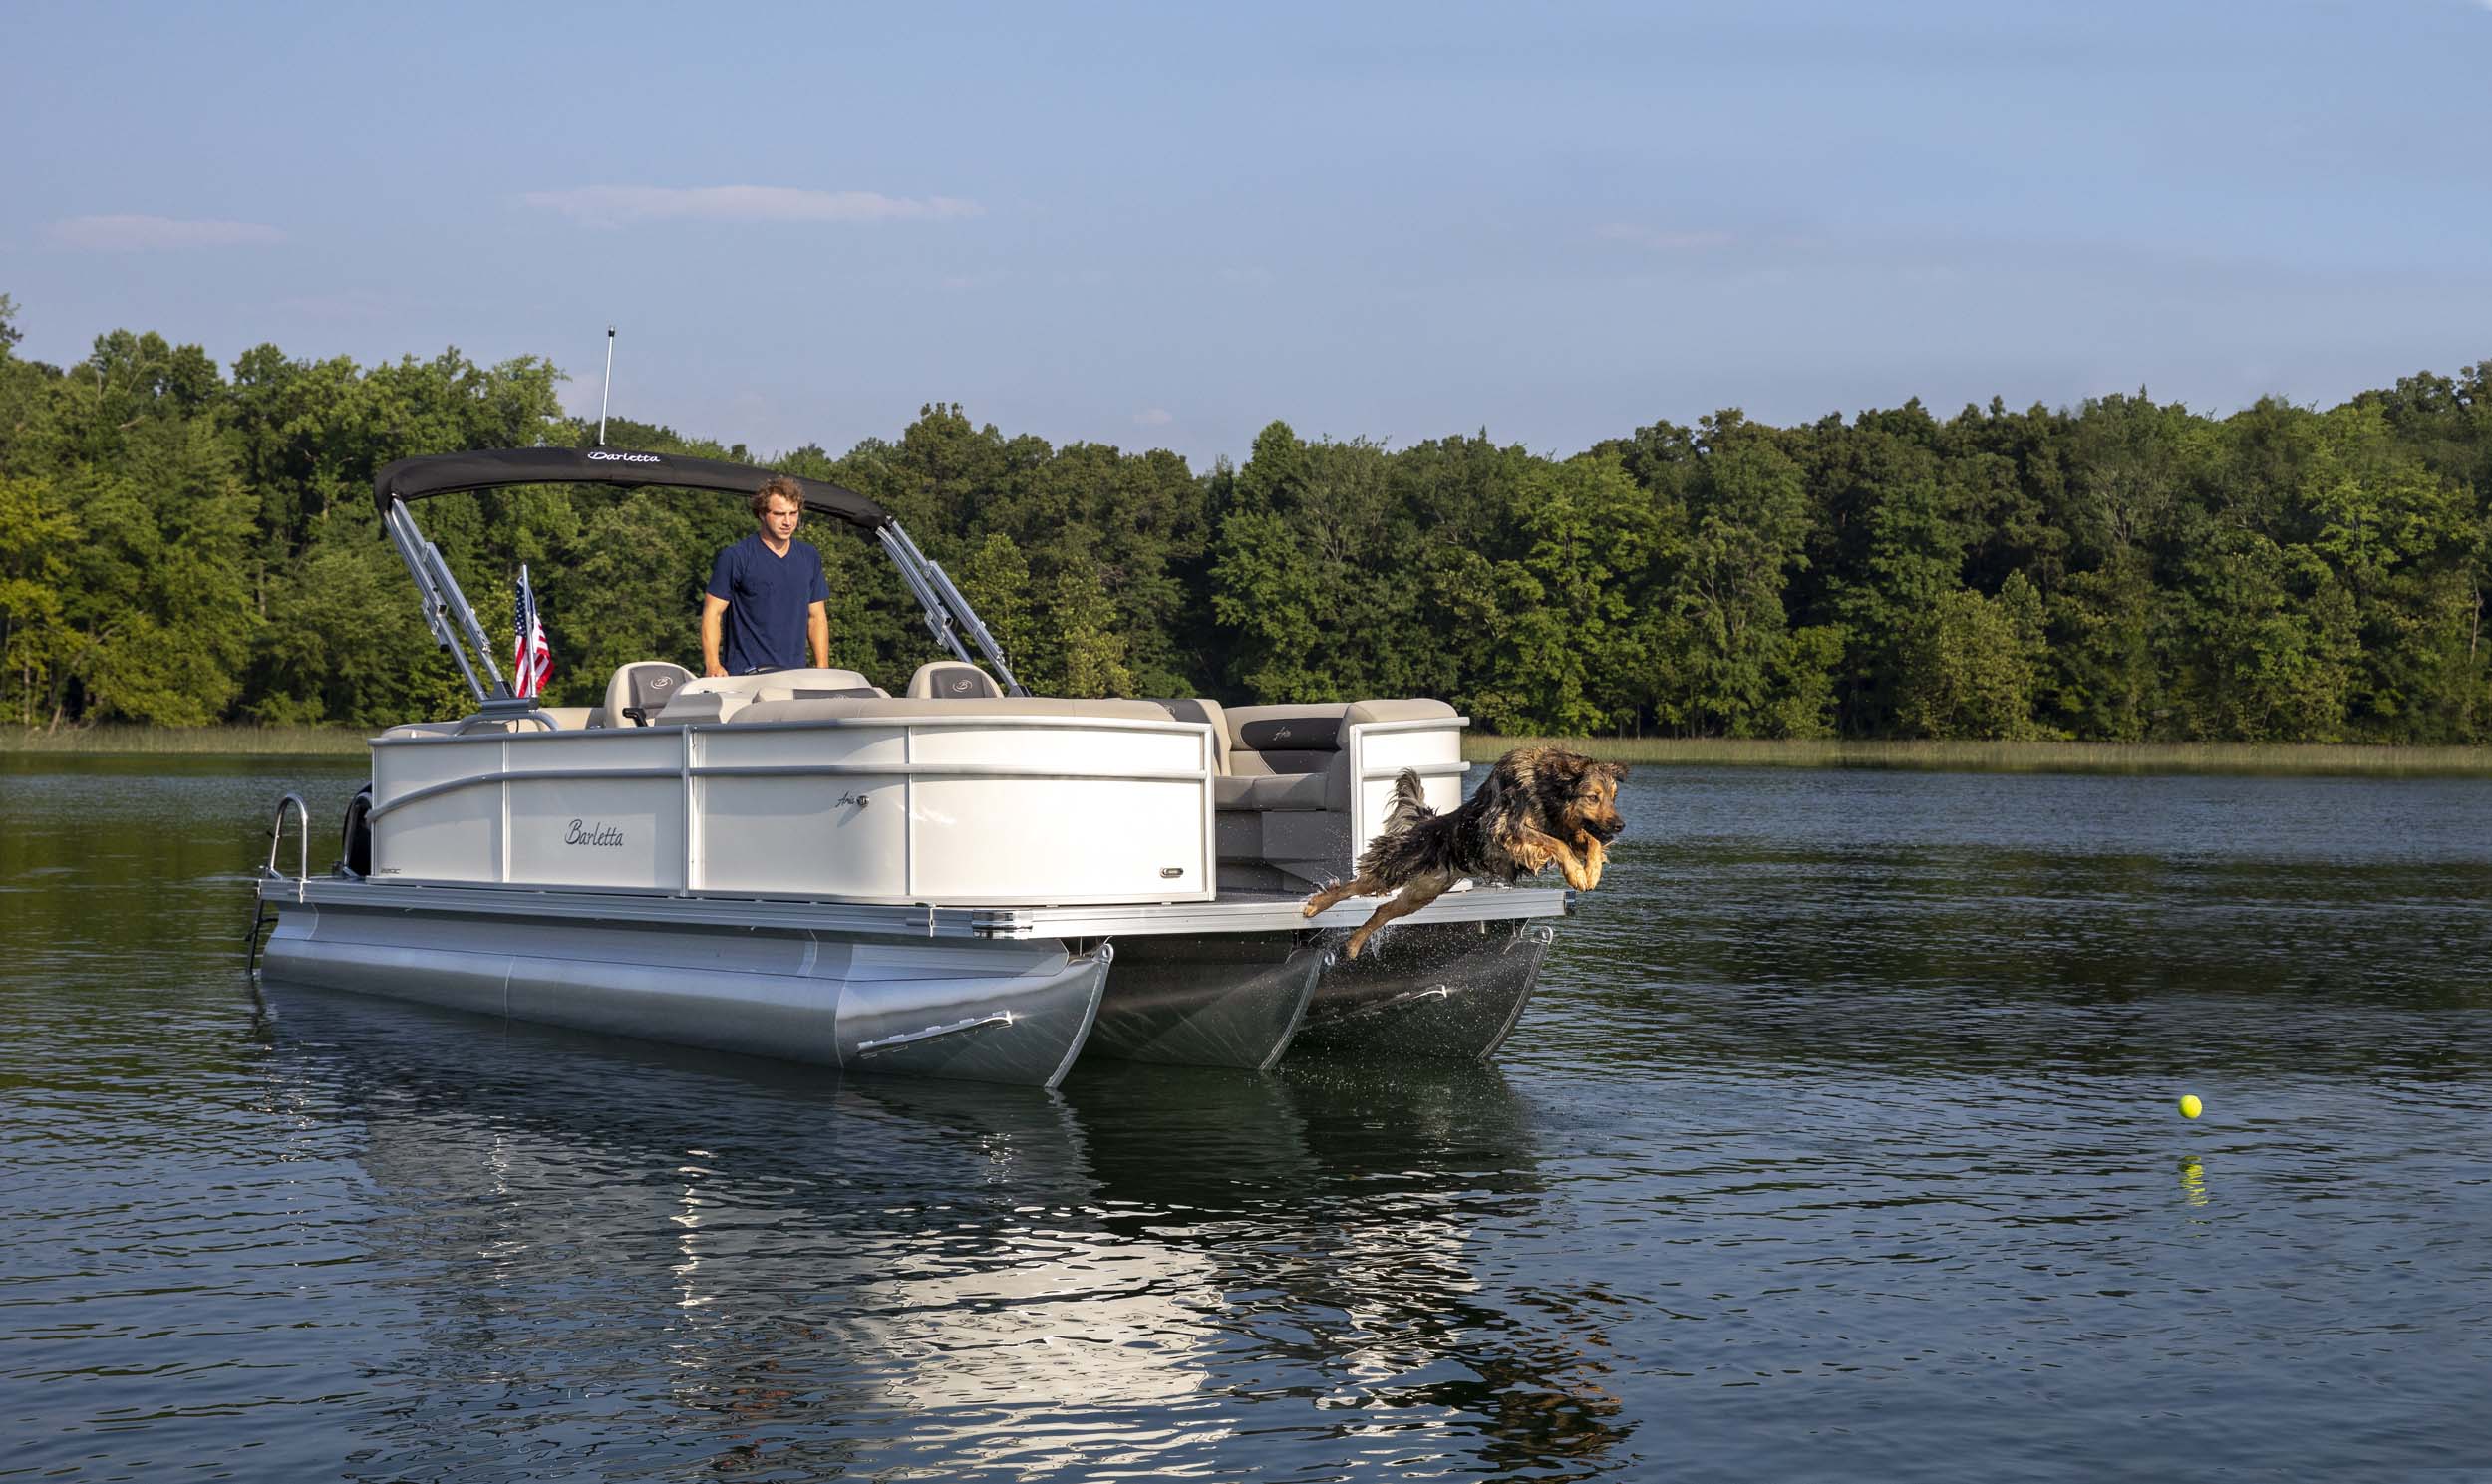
x=1672, y=241
x=149, y=233
x=1153, y=417
x=615, y=205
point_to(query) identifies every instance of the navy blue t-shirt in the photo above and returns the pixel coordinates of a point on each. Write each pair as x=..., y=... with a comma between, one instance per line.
x=766, y=596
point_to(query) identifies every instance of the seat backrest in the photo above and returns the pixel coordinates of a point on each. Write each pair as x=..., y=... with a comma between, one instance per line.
x=1295, y=809
x=1303, y=738
x=905, y=708
x=952, y=680
x=718, y=697
x=1198, y=709
x=645, y=684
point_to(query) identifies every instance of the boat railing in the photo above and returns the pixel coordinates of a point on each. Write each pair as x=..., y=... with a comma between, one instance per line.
x=302, y=841
x=269, y=871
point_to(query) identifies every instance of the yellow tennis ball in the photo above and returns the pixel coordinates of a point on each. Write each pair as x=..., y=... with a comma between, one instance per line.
x=2191, y=1107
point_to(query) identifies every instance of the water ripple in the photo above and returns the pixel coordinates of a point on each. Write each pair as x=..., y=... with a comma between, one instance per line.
x=1839, y=1141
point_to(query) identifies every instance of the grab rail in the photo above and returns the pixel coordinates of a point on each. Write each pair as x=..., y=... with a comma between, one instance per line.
x=866, y=1049
x=269, y=872
x=302, y=840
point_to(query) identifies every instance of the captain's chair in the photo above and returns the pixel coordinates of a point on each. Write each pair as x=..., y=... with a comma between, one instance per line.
x=641, y=689
x=952, y=680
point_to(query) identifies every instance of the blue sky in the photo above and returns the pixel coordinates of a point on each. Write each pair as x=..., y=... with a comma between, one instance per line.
x=1166, y=225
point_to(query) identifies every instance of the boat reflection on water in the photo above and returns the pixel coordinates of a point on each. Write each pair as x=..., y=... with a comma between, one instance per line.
x=671, y=1254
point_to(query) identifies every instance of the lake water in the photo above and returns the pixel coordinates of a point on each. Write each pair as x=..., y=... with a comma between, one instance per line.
x=1839, y=1141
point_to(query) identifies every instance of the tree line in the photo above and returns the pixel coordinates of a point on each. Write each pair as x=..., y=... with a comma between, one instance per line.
x=184, y=542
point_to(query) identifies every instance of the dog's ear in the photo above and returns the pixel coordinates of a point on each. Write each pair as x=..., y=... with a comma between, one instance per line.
x=1617, y=771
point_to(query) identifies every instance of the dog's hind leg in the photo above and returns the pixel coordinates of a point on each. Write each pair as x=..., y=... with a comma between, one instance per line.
x=1413, y=896
x=1355, y=886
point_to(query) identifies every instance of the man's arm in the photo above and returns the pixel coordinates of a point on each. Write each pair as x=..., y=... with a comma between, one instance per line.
x=713, y=620
x=818, y=633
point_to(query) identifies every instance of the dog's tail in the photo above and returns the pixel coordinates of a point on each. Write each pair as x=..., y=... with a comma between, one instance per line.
x=1415, y=839
x=1409, y=804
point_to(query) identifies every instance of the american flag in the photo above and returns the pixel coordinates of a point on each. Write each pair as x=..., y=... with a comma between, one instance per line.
x=531, y=658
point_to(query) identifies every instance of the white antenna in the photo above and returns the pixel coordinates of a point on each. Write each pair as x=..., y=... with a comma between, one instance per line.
x=609, y=391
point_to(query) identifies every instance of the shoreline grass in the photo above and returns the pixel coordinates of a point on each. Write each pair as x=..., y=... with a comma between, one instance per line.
x=1662, y=751
x=2315, y=760
x=184, y=742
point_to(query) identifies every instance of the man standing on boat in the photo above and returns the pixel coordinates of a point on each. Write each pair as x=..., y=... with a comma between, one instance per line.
x=767, y=593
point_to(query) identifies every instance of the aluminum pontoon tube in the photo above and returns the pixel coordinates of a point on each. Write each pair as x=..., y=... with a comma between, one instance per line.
x=1447, y=991
x=1215, y=999
x=976, y=1009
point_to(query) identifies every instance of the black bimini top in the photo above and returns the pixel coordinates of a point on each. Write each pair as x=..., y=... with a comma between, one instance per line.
x=448, y=474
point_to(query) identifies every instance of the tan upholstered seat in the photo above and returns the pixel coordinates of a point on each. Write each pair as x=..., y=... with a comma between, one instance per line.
x=1286, y=792
x=904, y=708
x=1285, y=810
x=718, y=697
x=645, y=685
x=952, y=680
x=1195, y=708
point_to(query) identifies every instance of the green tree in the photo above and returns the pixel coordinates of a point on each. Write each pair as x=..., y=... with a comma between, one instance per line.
x=1565, y=638
x=2397, y=537
x=2105, y=672
x=1801, y=701
x=1089, y=653
x=608, y=603
x=995, y=581
x=1270, y=592
x=1968, y=665
x=37, y=533
x=160, y=612
x=2276, y=637
x=1725, y=642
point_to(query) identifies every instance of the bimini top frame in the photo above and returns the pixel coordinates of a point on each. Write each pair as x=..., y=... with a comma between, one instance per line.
x=454, y=623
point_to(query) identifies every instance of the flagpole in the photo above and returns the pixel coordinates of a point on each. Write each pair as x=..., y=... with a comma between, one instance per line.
x=520, y=658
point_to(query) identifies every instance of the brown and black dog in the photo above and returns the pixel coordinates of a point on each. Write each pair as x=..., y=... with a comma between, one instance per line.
x=1540, y=807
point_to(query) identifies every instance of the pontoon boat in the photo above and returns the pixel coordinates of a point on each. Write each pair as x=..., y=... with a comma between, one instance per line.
x=959, y=880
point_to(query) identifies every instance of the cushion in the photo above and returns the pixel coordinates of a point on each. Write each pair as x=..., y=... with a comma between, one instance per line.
x=901, y=707
x=1195, y=708
x=1292, y=732
x=952, y=680
x=1286, y=793
x=646, y=683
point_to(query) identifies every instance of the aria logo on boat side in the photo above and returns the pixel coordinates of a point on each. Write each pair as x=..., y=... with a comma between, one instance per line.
x=626, y=458
x=600, y=833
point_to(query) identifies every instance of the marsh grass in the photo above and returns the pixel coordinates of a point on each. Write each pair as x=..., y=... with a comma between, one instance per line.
x=1662, y=751
x=2007, y=757
x=188, y=741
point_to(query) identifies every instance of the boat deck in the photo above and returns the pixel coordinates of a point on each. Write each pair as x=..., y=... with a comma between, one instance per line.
x=1233, y=912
